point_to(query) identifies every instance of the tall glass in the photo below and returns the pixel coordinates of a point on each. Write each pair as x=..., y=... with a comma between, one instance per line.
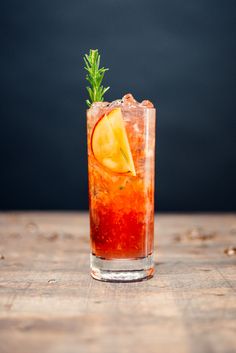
x=122, y=205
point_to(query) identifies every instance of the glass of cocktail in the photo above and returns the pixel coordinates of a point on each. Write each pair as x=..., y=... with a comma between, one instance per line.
x=121, y=155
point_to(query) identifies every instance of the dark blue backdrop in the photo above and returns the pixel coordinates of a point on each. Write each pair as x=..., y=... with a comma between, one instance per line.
x=179, y=54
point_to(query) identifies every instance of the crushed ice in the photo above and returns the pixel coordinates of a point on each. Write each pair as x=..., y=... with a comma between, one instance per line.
x=128, y=100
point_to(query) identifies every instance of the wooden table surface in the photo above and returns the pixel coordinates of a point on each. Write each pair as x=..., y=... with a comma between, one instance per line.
x=50, y=304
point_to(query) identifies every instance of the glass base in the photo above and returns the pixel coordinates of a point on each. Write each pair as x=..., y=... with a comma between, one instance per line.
x=121, y=270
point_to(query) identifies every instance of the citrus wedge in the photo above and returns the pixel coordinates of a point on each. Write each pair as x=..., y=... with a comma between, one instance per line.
x=110, y=143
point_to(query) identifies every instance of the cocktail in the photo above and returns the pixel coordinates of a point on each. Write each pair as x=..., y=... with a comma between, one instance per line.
x=121, y=155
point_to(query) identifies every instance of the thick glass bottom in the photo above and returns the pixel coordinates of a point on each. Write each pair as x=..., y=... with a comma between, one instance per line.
x=121, y=270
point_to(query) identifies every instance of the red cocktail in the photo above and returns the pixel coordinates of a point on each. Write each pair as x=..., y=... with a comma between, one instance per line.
x=121, y=155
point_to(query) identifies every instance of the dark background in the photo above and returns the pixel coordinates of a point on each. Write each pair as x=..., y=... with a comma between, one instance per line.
x=179, y=54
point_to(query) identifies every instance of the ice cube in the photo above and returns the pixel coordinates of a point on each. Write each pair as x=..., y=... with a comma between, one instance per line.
x=99, y=105
x=146, y=103
x=128, y=99
x=116, y=103
x=97, y=109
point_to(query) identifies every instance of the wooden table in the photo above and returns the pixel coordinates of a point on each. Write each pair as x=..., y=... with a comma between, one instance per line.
x=50, y=304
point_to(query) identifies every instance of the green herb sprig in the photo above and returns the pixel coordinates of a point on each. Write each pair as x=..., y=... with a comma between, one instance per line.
x=94, y=76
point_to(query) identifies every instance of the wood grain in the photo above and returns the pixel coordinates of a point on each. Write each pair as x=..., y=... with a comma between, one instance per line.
x=50, y=304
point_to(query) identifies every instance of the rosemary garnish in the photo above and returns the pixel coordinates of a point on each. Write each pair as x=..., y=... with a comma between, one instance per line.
x=94, y=77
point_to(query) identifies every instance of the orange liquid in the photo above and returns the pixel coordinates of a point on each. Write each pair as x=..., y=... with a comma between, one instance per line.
x=122, y=205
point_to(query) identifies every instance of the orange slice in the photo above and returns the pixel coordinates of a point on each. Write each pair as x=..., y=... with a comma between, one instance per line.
x=110, y=143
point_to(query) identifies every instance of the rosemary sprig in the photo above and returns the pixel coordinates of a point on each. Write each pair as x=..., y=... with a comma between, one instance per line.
x=94, y=76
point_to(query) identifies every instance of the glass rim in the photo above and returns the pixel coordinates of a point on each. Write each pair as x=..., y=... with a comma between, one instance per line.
x=142, y=107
